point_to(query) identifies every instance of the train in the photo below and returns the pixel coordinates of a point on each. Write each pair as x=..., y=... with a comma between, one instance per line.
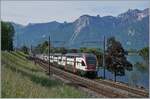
x=83, y=64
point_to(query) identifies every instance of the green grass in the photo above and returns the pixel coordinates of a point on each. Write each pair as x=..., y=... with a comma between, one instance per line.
x=21, y=78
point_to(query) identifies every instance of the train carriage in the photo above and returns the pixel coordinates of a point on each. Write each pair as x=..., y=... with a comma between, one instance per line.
x=79, y=63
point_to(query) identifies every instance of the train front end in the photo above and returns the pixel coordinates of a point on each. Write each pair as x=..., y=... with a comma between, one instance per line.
x=91, y=64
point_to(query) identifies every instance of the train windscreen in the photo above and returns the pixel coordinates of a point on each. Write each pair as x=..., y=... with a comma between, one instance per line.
x=91, y=60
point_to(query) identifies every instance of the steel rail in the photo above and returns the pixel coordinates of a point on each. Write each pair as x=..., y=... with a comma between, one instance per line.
x=132, y=92
x=135, y=91
x=88, y=83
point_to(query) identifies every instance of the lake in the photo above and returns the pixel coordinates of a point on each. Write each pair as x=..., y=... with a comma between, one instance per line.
x=137, y=76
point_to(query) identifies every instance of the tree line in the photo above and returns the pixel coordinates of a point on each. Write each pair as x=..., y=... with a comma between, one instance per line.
x=116, y=61
x=7, y=33
x=115, y=55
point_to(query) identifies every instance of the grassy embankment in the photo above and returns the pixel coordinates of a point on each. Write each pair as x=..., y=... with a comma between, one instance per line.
x=21, y=78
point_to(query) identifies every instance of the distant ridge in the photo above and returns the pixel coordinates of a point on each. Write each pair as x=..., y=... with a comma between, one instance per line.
x=131, y=28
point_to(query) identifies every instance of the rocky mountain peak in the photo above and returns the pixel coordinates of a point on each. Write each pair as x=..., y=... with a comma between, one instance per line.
x=134, y=14
x=84, y=19
x=146, y=12
x=82, y=22
x=131, y=28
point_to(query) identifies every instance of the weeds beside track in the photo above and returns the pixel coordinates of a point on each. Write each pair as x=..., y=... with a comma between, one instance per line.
x=106, y=88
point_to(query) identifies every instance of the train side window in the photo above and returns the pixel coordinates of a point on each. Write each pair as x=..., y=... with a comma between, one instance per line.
x=83, y=64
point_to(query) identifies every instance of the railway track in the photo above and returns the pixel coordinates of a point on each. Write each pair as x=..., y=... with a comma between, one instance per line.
x=131, y=91
x=105, y=88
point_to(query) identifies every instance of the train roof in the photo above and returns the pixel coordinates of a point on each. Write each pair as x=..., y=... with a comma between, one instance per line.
x=74, y=54
x=57, y=54
x=79, y=54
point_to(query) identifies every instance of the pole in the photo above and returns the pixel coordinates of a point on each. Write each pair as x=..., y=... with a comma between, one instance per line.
x=31, y=50
x=115, y=75
x=16, y=42
x=104, y=56
x=49, y=55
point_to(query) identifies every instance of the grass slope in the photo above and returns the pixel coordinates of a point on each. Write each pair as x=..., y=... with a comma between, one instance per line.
x=21, y=78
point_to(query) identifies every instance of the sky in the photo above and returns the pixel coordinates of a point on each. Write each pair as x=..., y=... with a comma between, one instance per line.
x=25, y=12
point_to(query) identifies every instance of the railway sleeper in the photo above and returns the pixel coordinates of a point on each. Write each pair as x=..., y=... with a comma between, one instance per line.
x=91, y=85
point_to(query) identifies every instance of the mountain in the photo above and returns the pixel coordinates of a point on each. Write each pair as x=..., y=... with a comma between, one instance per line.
x=131, y=28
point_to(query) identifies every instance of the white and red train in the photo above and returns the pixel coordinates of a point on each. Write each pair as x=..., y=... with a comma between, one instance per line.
x=80, y=63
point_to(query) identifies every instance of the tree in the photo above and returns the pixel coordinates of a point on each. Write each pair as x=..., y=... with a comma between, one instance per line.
x=63, y=50
x=25, y=49
x=73, y=51
x=42, y=48
x=7, y=34
x=144, y=52
x=144, y=65
x=116, y=61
